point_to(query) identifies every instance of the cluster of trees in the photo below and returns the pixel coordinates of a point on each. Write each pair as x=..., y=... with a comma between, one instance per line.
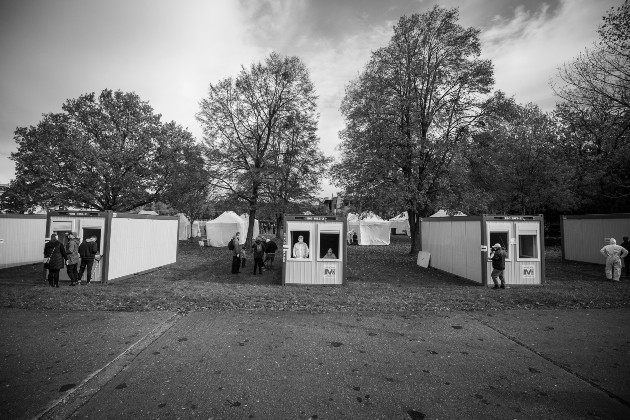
x=112, y=152
x=424, y=130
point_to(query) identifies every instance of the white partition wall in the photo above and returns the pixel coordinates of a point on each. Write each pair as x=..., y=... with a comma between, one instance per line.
x=141, y=244
x=22, y=239
x=584, y=235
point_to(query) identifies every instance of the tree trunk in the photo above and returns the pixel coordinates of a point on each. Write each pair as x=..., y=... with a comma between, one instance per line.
x=279, y=225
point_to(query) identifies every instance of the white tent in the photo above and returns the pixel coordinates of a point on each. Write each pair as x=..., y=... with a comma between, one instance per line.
x=443, y=213
x=401, y=224
x=370, y=228
x=195, y=229
x=220, y=231
x=149, y=212
x=245, y=217
x=184, y=227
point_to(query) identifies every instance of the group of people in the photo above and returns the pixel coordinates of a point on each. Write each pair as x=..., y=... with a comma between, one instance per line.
x=616, y=258
x=263, y=252
x=77, y=258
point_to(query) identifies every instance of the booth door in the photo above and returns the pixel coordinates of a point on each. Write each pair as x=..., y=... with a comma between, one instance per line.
x=501, y=233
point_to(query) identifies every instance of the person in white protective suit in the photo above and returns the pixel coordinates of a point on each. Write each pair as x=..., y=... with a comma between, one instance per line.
x=613, y=253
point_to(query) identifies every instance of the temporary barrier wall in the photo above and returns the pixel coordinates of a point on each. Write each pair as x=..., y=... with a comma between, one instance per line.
x=128, y=243
x=461, y=245
x=584, y=235
x=319, y=233
x=21, y=239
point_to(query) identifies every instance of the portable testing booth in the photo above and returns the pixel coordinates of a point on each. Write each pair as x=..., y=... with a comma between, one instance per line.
x=314, y=250
x=461, y=245
x=128, y=243
x=584, y=235
x=21, y=239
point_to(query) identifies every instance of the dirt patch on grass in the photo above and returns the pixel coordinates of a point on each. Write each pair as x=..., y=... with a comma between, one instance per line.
x=380, y=279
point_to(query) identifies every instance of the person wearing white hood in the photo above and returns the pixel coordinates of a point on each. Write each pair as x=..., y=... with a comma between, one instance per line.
x=613, y=253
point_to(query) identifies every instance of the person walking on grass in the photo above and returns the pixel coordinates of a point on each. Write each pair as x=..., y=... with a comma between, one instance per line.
x=55, y=251
x=87, y=250
x=613, y=254
x=235, y=246
x=74, y=259
x=497, y=255
x=259, y=253
x=270, y=253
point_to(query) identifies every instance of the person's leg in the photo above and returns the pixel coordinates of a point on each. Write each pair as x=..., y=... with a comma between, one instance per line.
x=495, y=275
x=616, y=270
x=81, y=270
x=51, y=281
x=90, y=264
x=502, y=278
x=70, y=270
x=609, y=268
x=55, y=274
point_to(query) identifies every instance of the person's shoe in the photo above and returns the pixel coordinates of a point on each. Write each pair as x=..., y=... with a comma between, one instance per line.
x=495, y=287
x=56, y=285
x=503, y=286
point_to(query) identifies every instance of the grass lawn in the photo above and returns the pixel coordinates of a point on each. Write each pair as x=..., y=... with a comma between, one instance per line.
x=380, y=279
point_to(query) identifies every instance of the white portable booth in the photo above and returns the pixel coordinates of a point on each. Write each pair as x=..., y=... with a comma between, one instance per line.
x=21, y=239
x=319, y=233
x=370, y=230
x=128, y=243
x=461, y=245
x=584, y=235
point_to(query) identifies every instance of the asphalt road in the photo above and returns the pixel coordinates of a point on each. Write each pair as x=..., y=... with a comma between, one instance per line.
x=263, y=365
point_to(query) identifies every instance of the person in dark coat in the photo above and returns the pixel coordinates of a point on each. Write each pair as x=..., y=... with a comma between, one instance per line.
x=87, y=250
x=74, y=259
x=57, y=253
x=270, y=253
x=498, y=255
x=259, y=255
x=236, y=253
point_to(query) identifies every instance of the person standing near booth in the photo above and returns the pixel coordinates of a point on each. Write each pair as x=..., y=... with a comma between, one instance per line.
x=72, y=264
x=87, y=250
x=56, y=254
x=259, y=253
x=497, y=255
x=270, y=253
x=613, y=253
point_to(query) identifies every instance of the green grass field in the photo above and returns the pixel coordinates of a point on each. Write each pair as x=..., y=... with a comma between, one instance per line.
x=380, y=279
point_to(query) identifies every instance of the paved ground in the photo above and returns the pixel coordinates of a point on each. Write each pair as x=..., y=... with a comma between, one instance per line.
x=239, y=365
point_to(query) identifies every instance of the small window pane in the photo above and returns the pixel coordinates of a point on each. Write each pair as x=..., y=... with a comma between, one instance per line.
x=527, y=246
x=303, y=237
x=329, y=245
x=500, y=238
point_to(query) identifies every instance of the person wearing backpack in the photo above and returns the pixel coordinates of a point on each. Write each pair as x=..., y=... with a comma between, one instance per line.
x=259, y=254
x=235, y=246
x=74, y=258
x=56, y=254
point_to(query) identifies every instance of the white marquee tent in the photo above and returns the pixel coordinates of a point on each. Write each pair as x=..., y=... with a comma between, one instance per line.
x=401, y=224
x=370, y=229
x=245, y=217
x=220, y=231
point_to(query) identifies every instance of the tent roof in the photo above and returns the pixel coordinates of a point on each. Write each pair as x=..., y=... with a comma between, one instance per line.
x=442, y=213
x=227, y=217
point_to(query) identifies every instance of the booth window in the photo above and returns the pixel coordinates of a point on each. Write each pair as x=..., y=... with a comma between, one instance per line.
x=502, y=239
x=527, y=248
x=300, y=244
x=329, y=245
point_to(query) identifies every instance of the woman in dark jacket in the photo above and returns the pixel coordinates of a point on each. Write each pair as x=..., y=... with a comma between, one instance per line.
x=57, y=253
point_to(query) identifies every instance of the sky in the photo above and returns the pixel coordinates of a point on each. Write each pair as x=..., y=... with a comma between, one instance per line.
x=169, y=52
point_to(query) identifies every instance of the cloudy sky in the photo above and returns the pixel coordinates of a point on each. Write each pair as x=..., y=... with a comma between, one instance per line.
x=169, y=51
